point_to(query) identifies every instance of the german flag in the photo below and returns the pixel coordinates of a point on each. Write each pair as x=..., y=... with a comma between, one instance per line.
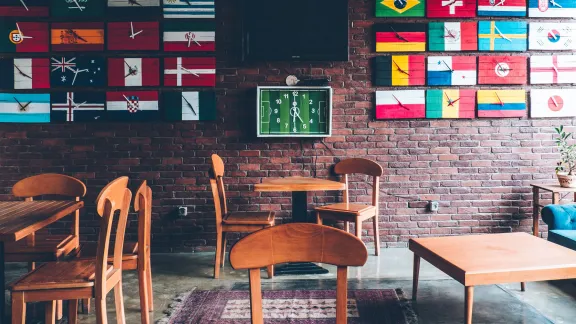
x=77, y=36
x=400, y=37
x=400, y=70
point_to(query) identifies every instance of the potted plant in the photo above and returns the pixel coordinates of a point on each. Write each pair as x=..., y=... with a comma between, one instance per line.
x=566, y=168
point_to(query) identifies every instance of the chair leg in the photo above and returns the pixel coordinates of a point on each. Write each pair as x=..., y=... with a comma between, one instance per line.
x=318, y=218
x=149, y=281
x=359, y=229
x=31, y=266
x=119, y=301
x=270, y=270
x=376, y=235
x=143, y=286
x=50, y=312
x=218, y=257
x=73, y=311
x=59, y=310
x=347, y=226
x=223, y=259
x=18, y=308
x=86, y=306
x=101, y=316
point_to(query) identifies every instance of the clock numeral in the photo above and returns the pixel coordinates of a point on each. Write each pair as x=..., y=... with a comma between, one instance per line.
x=304, y=96
x=311, y=121
x=313, y=110
x=286, y=96
x=278, y=120
x=295, y=93
x=279, y=101
x=311, y=101
x=303, y=126
x=276, y=110
x=286, y=125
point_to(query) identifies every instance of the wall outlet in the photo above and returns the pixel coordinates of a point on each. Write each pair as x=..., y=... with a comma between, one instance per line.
x=433, y=205
x=182, y=211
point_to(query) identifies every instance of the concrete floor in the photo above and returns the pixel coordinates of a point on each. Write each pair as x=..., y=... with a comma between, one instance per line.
x=440, y=299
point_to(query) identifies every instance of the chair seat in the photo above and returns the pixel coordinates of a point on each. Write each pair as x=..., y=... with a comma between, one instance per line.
x=249, y=218
x=46, y=248
x=566, y=238
x=349, y=209
x=129, y=252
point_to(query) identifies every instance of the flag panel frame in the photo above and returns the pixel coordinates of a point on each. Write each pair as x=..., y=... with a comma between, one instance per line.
x=400, y=104
x=552, y=103
x=24, y=107
x=388, y=8
x=446, y=36
x=400, y=37
x=509, y=103
x=451, y=70
x=502, y=70
x=443, y=103
x=400, y=70
x=552, y=36
x=562, y=69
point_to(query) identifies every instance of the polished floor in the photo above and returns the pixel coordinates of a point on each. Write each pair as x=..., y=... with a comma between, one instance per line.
x=440, y=299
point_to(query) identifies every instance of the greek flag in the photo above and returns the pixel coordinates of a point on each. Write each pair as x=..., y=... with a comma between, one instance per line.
x=188, y=9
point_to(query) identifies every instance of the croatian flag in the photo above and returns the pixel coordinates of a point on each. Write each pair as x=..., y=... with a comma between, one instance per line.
x=132, y=106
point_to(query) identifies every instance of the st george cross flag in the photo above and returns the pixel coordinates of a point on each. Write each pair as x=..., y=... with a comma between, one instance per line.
x=133, y=36
x=451, y=8
x=83, y=71
x=189, y=9
x=502, y=70
x=400, y=104
x=501, y=103
x=451, y=70
x=552, y=36
x=552, y=102
x=28, y=73
x=502, y=36
x=24, y=8
x=132, y=106
x=502, y=8
x=400, y=70
x=552, y=69
x=133, y=8
x=78, y=106
x=189, y=105
x=450, y=103
x=133, y=72
x=190, y=71
x=77, y=36
x=552, y=8
x=400, y=8
x=24, y=107
x=453, y=36
x=189, y=36
x=23, y=37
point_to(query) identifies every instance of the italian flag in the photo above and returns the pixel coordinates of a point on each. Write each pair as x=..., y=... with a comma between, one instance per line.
x=453, y=36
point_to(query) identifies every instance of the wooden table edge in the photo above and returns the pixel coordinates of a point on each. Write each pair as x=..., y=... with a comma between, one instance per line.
x=437, y=261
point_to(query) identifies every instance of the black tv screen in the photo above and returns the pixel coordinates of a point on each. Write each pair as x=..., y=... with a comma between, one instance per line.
x=295, y=30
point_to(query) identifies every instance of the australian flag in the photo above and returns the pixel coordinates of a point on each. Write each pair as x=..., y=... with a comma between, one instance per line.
x=78, y=106
x=69, y=71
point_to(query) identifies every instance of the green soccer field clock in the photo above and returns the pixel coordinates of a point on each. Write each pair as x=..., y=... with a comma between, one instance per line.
x=294, y=111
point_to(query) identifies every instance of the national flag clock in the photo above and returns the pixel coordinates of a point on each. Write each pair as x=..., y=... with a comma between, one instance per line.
x=188, y=8
x=28, y=73
x=133, y=36
x=501, y=103
x=134, y=8
x=78, y=106
x=400, y=37
x=82, y=71
x=552, y=69
x=451, y=70
x=502, y=69
x=130, y=106
x=400, y=70
x=502, y=8
x=24, y=8
x=451, y=8
x=453, y=36
x=552, y=36
x=77, y=37
x=190, y=71
x=189, y=36
x=189, y=105
x=450, y=103
x=133, y=72
x=294, y=111
x=78, y=9
x=400, y=104
x=400, y=8
x=502, y=36
x=23, y=37
x=553, y=102
x=24, y=107
x=552, y=8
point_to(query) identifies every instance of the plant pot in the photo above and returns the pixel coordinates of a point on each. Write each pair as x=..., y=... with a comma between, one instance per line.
x=566, y=181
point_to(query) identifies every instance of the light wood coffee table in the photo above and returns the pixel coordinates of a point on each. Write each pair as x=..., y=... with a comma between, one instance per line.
x=493, y=259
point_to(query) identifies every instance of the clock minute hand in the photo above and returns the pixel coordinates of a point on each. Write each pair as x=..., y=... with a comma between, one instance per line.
x=448, y=66
x=78, y=5
x=399, y=69
x=22, y=73
x=401, y=105
x=185, y=69
x=128, y=101
x=24, y=4
x=555, y=4
x=501, y=34
x=134, y=2
x=400, y=37
x=19, y=104
x=189, y=105
x=501, y=102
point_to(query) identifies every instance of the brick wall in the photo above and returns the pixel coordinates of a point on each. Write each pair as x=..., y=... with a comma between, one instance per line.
x=479, y=170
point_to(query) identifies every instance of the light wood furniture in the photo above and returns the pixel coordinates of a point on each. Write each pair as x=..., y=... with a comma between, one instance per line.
x=81, y=279
x=230, y=222
x=556, y=191
x=298, y=242
x=135, y=255
x=493, y=259
x=349, y=212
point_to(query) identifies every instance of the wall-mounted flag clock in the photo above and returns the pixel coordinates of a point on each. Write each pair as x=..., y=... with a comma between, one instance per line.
x=132, y=106
x=451, y=70
x=400, y=37
x=189, y=105
x=189, y=36
x=553, y=69
x=451, y=8
x=69, y=71
x=78, y=9
x=189, y=9
x=134, y=8
x=450, y=103
x=400, y=104
x=190, y=71
x=400, y=70
x=133, y=72
x=133, y=36
x=24, y=107
x=552, y=102
x=501, y=103
x=502, y=36
x=24, y=8
x=66, y=37
x=294, y=111
x=78, y=106
x=453, y=36
x=24, y=37
x=28, y=73
x=502, y=8
x=553, y=36
x=552, y=8
x=400, y=8
x=502, y=69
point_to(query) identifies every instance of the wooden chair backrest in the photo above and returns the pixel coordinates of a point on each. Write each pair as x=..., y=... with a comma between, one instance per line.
x=360, y=166
x=143, y=205
x=217, y=185
x=49, y=184
x=298, y=242
x=114, y=198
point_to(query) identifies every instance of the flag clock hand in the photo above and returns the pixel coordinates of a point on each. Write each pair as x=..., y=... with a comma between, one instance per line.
x=132, y=31
x=503, y=69
x=22, y=73
x=501, y=102
x=24, y=4
x=189, y=105
x=188, y=2
x=555, y=4
x=185, y=69
x=129, y=102
x=449, y=33
x=502, y=35
x=555, y=69
x=77, y=6
x=450, y=101
x=448, y=66
x=400, y=4
x=554, y=101
x=75, y=35
x=76, y=74
x=131, y=70
x=134, y=2
x=398, y=35
x=21, y=106
x=400, y=69
x=20, y=32
x=400, y=103
x=499, y=3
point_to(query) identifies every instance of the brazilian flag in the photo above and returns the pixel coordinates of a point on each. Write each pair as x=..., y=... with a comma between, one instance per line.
x=400, y=8
x=189, y=105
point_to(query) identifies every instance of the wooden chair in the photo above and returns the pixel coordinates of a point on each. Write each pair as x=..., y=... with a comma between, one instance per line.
x=227, y=222
x=81, y=279
x=298, y=242
x=136, y=255
x=357, y=213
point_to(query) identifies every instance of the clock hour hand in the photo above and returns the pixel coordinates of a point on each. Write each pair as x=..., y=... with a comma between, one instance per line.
x=400, y=69
x=19, y=104
x=555, y=4
x=554, y=101
x=188, y=2
x=448, y=66
x=77, y=5
x=131, y=70
x=75, y=35
x=24, y=4
x=501, y=102
x=449, y=33
x=398, y=35
x=189, y=105
x=502, y=69
x=185, y=69
x=22, y=73
x=499, y=3
x=401, y=105
x=501, y=34
x=555, y=69
x=134, y=2
x=20, y=32
x=128, y=101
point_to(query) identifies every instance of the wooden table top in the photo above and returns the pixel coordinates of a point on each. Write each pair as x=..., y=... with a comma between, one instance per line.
x=554, y=187
x=497, y=258
x=19, y=219
x=298, y=184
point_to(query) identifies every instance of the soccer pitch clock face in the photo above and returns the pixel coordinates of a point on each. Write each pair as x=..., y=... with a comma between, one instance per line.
x=294, y=112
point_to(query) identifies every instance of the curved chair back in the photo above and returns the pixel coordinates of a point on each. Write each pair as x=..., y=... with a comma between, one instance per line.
x=361, y=166
x=217, y=185
x=49, y=184
x=298, y=242
x=143, y=205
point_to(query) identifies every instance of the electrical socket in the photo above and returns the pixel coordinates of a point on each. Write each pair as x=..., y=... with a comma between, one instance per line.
x=433, y=205
x=182, y=211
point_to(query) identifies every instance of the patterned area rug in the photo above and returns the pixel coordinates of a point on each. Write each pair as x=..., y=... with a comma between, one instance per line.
x=385, y=306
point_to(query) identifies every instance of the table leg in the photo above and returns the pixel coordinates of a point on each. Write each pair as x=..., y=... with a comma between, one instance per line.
x=415, y=276
x=469, y=302
x=299, y=207
x=535, y=209
x=2, y=282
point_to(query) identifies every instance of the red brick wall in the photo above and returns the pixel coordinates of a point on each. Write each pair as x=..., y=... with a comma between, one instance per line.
x=479, y=170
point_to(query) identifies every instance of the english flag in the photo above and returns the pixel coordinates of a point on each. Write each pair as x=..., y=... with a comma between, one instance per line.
x=451, y=70
x=133, y=72
x=195, y=36
x=552, y=69
x=502, y=70
x=552, y=102
x=502, y=8
x=190, y=71
x=29, y=73
x=132, y=106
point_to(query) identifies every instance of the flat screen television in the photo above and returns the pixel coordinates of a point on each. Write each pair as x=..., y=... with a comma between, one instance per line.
x=295, y=30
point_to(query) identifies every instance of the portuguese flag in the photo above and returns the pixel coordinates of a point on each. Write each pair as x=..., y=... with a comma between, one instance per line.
x=23, y=37
x=400, y=8
x=189, y=105
x=400, y=70
x=400, y=37
x=453, y=36
x=450, y=103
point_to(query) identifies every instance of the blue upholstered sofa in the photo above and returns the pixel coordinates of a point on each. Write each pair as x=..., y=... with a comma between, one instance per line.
x=561, y=220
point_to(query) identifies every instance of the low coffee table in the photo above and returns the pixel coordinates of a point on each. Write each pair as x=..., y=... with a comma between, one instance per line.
x=493, y=259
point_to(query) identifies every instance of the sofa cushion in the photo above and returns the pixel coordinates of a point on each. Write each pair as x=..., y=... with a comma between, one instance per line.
x=560, y=217
x=566, y=238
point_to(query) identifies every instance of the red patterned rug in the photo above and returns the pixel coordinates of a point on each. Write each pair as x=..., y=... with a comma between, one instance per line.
x=383, y=306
